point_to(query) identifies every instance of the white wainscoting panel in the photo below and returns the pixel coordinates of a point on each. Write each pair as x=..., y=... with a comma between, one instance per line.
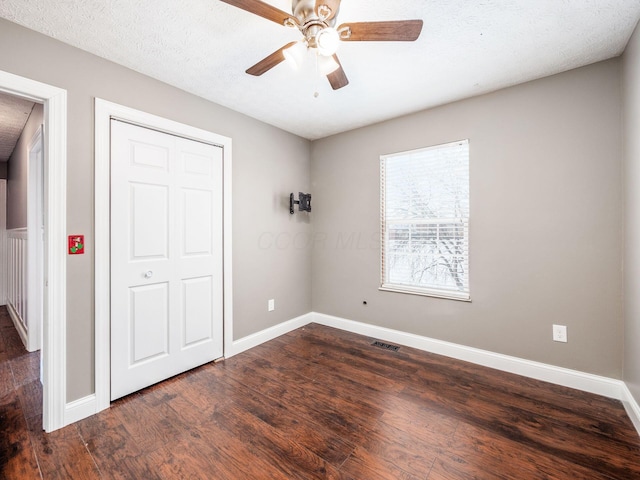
x=17, y=281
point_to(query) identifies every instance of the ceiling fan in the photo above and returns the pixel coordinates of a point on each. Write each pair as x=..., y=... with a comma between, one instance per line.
x=316, y=21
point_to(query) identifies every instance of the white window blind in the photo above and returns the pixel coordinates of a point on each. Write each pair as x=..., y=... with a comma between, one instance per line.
x=424, y=196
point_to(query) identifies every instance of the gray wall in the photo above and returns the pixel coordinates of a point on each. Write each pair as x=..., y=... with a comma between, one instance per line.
x=3, y=169
x=267, y=164
x=546, y=208
x=17, y=175
x=631, y=92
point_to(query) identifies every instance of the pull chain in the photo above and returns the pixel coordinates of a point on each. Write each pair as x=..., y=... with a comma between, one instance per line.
x=316, y=94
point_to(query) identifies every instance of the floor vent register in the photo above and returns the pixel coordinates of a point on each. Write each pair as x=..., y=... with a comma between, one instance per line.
x=386, y=346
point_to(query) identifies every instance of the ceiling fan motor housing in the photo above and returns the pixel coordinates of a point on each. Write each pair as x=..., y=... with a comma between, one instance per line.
x=310, y=22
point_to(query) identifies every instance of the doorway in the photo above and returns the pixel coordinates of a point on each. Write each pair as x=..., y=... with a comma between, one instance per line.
x=54, y=266
x=22, y=156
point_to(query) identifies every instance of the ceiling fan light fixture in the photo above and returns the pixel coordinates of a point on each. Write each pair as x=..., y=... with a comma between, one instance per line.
x=326, y=65
x=295, y=54
x=327, y=41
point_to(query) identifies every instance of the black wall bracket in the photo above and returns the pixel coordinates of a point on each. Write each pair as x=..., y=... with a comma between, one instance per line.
x=304, y=202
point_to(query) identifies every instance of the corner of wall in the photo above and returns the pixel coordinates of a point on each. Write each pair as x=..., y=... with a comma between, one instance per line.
x=630, y=78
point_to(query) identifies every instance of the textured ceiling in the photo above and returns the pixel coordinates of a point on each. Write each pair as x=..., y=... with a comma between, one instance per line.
x=14, y=113
x=466, y=48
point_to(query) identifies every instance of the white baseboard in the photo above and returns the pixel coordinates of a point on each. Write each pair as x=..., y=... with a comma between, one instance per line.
x=631, y=406
x=255, y=339
x=78, y=409
x=587, y=382
x=17, y=322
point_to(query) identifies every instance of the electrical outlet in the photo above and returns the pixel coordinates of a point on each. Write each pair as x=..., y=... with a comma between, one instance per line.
x=560, y=333
x=271, y=306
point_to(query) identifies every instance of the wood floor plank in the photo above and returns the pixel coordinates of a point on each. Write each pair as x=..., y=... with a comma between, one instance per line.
x=6, y=378
x=114, y=444
x=31, y=398
x=340, y=417
x=26, y=368
x=193, y=403
x=149, y=423
x=237, y=454
x=3, y=348
x=459, y=469
x=17, y=457
x=303, y=430
x=587, y=421
x=290, y=458
x=326, y=367
x=374, y=389
x=141, y=467
x=314, y=346
x=385, y=363
x=485, y=452
x=5, y=319
x=13, y=345
x=363, y=465
x=98, y=425
x=411, y=455
x=299, y=387
x=194, y=458
x=552, y=437
x=61, y=454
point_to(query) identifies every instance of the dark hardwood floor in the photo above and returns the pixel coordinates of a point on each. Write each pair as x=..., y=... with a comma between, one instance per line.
x=320, y=403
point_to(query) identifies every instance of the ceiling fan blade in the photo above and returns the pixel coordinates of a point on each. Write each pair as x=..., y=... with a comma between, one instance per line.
x=398, y=30
x=269, y=62
x=334, y=6
x=338, y=78
x=263, y=10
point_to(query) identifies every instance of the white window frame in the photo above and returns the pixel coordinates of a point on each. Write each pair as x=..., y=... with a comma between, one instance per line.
x=384, y=222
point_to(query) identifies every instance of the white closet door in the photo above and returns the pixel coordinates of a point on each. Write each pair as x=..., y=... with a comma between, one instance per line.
x=166, y=256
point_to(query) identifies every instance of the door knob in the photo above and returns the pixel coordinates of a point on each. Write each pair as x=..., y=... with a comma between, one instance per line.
x=148, y=274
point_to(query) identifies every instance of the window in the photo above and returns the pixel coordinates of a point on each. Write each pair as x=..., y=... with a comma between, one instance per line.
x=424, y=200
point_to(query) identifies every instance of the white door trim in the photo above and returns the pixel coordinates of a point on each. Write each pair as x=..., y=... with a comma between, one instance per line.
x=104, y=112
x=3, y=242
x=34, y=242
x=54, y=345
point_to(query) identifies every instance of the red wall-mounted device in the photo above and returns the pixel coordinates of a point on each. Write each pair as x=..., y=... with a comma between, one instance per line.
x=76, y=244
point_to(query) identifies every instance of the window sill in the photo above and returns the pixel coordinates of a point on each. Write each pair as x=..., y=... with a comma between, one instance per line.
x=462, y=297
